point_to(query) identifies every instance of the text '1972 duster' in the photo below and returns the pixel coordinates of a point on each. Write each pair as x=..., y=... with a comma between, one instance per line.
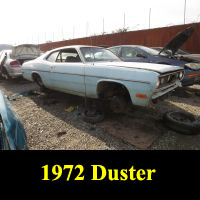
x=95, y=72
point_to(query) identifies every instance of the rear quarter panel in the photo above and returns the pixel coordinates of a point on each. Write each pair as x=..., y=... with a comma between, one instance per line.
x=40, y=67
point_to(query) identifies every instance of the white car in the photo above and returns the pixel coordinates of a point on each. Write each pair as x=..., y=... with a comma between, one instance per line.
x=11, y=60
x=95, y=72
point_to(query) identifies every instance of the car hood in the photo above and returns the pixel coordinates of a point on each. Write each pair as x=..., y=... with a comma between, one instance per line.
x=159, y=68
x=174, y=44
x=194, y=57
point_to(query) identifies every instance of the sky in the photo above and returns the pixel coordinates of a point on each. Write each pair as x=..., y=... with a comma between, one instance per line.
x=39, y=21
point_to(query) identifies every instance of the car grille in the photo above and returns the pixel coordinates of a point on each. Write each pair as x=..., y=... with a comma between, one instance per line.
x=169, y=78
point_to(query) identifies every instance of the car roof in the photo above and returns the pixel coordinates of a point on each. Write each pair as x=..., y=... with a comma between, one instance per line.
x=75, y=46
x=127, y=46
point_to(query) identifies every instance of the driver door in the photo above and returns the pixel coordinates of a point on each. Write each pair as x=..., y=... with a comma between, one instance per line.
x=67, y=72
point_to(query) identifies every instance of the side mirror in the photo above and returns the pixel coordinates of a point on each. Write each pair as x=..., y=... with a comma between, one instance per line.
x=140, y=55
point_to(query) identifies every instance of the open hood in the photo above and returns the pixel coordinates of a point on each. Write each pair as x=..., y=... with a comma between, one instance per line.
x=25, y=51
x=178, y=40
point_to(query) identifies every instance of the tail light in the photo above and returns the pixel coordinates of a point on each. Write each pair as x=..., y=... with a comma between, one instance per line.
x=15, y=63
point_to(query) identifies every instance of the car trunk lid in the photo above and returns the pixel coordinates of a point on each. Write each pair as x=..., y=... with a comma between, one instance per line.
x=25, y=52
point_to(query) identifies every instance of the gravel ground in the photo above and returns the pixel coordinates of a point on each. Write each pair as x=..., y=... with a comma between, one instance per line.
x=50, y=125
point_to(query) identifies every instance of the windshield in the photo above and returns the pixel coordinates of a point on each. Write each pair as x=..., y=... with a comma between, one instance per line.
x=181, y=52
x=95, y=54
x=153, y=52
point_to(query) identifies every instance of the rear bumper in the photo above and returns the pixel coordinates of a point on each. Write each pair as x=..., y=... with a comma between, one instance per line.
x=14, y=72
x=15, y=75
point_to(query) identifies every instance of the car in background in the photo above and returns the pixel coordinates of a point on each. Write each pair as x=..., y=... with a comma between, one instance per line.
x=96, y=73
x=12, y=133
x=12, y=60
x=181, y=54
x=5, y=47
x=137, y=53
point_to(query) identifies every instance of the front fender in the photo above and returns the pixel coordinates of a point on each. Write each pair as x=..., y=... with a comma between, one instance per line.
x=137, y=90
x=140, y=92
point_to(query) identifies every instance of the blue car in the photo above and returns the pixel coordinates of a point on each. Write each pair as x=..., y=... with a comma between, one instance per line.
x=12, y=133
x=137, y=53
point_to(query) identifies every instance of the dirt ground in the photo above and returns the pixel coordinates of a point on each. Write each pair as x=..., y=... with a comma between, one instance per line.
x=54, y=121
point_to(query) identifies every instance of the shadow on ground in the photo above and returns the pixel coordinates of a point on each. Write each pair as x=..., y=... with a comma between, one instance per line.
x=139, y=127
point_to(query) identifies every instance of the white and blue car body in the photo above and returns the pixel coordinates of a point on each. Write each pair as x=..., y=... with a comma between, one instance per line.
x=84, y=70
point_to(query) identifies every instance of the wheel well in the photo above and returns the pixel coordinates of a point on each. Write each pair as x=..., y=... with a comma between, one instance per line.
x=35, y=75
x=107, y=89
x=4, y=69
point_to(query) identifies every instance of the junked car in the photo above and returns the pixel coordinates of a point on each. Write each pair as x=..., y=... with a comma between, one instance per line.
x=11, y=60
x=95, y=72
x=12, y=133
x=137, y=53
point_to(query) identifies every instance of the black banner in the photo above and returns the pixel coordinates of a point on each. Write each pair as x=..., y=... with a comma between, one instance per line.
x=147, y=168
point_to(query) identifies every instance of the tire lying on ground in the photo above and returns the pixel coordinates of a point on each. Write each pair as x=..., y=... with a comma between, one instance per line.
x=182, y=122
x=92, y=116
x=197, y=94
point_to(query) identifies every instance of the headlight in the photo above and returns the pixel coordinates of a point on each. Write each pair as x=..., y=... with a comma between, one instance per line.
x=162, y=81
x=181, y=74
x=168, y=78
x=158, y=83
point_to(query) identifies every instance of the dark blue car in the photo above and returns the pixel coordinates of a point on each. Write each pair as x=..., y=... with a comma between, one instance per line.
x=12, y=133
x=137, y=53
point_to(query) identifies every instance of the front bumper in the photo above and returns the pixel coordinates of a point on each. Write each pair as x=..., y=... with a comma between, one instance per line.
x=163, y=91
x=191, y=81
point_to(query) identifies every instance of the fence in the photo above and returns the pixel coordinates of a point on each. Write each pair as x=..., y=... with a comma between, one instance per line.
x=157, y=37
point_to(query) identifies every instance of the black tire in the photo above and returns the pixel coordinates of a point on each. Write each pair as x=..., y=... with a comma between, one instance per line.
x=118, y=104
x=182, y=122
x=197, y=94
x=5, y=74
x=92, y=117
x=39, y=82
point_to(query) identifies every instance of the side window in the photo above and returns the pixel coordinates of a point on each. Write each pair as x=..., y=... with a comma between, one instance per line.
x=115, y=50
x=53, y=56
x=129, y=52
x=88, y=54
x=68, y=55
